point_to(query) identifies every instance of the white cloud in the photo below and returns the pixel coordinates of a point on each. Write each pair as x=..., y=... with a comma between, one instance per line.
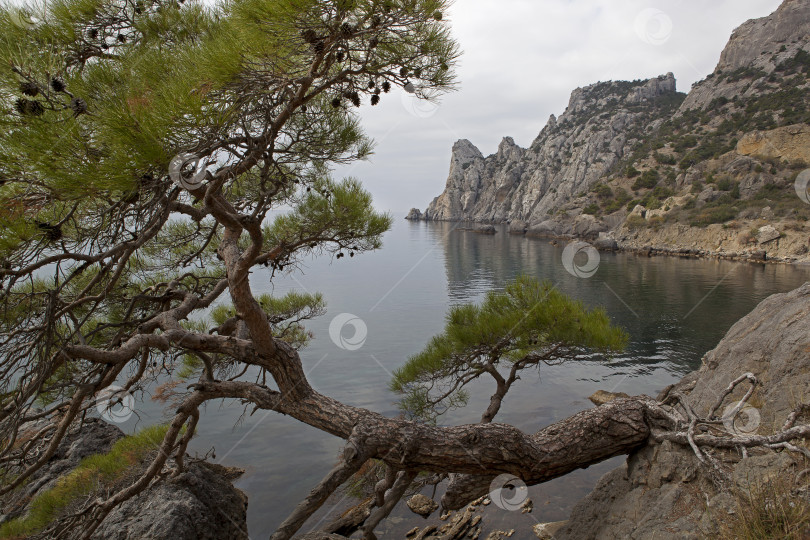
x=522, y=59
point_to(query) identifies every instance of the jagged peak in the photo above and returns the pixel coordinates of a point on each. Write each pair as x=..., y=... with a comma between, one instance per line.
x=506, y=144
x=790, y=21
x=630, y=91
x=464, y=150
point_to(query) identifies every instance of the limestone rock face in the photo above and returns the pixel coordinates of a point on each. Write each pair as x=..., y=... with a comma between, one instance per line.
x=790, y=143
x=758, y=44
x=661, y=492
x=746, y=44
x=600, y=125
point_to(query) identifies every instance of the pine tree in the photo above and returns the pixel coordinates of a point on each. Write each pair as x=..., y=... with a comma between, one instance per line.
x=528, y=324
x=143, y=146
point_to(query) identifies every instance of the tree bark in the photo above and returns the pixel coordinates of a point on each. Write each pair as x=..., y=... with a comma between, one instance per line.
x=352, y=461
x=586, y=438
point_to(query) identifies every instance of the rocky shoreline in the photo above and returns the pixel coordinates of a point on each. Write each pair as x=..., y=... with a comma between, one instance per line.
x=721, y=172
x=773, y=251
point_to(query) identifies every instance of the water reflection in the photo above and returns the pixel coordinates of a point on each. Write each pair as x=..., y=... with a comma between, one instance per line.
x=674, y=310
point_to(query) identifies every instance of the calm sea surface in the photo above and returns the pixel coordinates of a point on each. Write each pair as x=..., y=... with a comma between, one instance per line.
x=675, y=310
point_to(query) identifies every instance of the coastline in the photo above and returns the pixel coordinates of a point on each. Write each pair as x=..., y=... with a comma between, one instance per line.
x=623, y=240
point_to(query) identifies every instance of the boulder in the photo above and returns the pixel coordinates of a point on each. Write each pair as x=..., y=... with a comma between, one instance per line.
x=588, y=227
x=546, y=531
x=199, y=504
x=415, y=215
x=518, y=227
x=481, y=228
x=789, y=143
x=766, y=234
x=600, y=397
x=545, y=228
x=422, y=505
x=95, y=437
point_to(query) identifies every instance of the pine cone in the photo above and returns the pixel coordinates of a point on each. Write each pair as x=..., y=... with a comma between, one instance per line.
x=29, y=88
x=79, y=106
x=35, y=108
x=375, y=99
x=57, y=84
x=309, y=36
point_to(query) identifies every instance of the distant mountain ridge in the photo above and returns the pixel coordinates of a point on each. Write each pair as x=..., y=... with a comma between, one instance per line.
x=635, y=161
x=601, y=124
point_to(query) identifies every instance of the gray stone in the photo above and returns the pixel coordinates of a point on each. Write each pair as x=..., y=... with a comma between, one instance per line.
x=544, y=229
x=606, y=244
x=201, y=503
x=518, y=227
x=422, y=505
x=547, y=531
x=414, y=215
x=95, y=437
x=661, y=490
x=600, y=397
x=768, y=233
x=708, y=195
x=484, y=229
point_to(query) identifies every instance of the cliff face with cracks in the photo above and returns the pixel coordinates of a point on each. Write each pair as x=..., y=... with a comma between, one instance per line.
x=600, y=125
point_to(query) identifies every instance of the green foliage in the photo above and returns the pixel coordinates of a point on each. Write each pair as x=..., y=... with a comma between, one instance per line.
x=530, y=321
x=647, y=180
x=336, y=214
x=635, y=222
x=665, y=159
x=631, y=172
x=716, y=212
x=602, y=191
x=93, y=473
x=620, y=199
x=103, y=239
x=592, y=209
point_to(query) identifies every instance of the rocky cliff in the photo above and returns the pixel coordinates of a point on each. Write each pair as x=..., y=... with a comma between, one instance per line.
x=662, y=491
x=638, y=162
x=601, y=124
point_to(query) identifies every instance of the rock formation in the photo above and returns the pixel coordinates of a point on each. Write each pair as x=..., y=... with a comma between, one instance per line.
x=200, y=503
x=662, y=492
x=635, y=164
x=601, y=124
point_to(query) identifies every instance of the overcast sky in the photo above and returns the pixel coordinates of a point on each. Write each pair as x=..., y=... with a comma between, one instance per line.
x=521, y=60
